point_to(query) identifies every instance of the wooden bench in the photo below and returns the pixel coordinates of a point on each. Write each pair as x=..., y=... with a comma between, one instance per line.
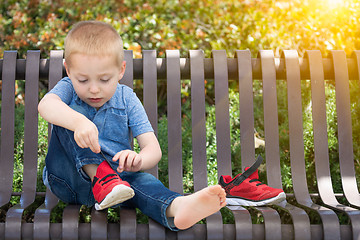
x=217, y=70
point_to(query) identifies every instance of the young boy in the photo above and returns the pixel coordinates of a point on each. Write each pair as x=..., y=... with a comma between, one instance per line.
x=91, y=115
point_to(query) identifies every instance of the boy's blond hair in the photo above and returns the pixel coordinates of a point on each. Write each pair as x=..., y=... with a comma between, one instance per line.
x=94, y=38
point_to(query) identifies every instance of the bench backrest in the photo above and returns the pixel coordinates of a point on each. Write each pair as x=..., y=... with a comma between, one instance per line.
x=221, y=69
x=217, y=70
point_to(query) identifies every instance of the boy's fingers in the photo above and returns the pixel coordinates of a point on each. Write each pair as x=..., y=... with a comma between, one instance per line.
x=94, y=142
x=87, y=143
x=95, y=146
x=116, y=157
x=94, y=149
x=137, y=163
x=80, y=142
x=122, y=160
x=129, y=161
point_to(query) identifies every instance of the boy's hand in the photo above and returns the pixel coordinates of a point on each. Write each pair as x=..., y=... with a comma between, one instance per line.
x=86, y=135
x=128, y=161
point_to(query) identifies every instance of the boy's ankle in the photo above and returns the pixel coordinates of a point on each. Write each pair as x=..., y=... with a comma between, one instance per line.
x=90, y=170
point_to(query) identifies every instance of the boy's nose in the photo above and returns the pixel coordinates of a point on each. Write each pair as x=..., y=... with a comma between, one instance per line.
x=94, y=88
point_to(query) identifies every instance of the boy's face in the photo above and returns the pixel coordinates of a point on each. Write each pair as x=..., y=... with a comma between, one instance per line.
x=94, y=78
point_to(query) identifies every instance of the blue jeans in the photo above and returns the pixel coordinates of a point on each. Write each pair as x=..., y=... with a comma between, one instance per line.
x=64, y=176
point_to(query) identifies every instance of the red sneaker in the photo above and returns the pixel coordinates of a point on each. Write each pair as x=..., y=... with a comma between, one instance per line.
x=245, y=189
x=108, y=188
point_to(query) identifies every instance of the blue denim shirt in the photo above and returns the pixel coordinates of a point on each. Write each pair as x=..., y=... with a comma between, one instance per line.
x=116, y=119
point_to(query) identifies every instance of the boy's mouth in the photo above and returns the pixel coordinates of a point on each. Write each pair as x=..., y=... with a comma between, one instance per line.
x=95, y=100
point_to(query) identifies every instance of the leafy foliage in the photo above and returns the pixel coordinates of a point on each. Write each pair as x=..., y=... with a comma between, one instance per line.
x=184, y=25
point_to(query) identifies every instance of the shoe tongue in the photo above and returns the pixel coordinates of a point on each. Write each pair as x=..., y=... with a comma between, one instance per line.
x=103, y=169
x=254, y=175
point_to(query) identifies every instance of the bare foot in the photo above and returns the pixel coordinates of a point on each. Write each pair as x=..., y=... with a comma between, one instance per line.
x=188, y=210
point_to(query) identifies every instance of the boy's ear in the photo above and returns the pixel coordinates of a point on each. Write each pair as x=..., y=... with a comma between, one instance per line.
x=122, y=72
x=67, y=69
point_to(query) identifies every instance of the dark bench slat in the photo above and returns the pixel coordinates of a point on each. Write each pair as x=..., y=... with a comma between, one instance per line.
x=128, y=78
x=14, y=214
x=31, y=126
x=271, y=128
x=99, y=224
x=7, y=126
x=55, y=71
x=150, y=104
x=150, y=93
x=246, y=105
x=346, y=151
x=7, y=146
x=328, y=217
x=326, y=191
x=198, y=126
x=184, y=234
x=223, y=144
x=175, y=167
x=243, y=225
x=128, y=226
x=320, y=127
x=70, y=222
x=42, y=214
x=156, y=231
x=272, y=222
x=41, y=227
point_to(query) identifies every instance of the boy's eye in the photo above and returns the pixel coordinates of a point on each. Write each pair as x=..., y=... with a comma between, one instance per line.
x=104, y=80
x=82, y=80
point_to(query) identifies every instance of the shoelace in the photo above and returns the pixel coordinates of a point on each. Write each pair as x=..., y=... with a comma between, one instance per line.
x=103, y=155
x=113, y=175
x=97, y=180
x=256, y=180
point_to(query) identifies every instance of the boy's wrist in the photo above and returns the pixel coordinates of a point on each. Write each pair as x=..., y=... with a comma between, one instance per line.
x=79, y=120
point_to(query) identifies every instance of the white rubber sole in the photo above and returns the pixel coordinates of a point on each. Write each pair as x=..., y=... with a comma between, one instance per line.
x=119, y=194
x=242, y=202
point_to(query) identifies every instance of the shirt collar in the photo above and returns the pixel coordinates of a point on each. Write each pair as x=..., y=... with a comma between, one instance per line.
x=116, y=101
